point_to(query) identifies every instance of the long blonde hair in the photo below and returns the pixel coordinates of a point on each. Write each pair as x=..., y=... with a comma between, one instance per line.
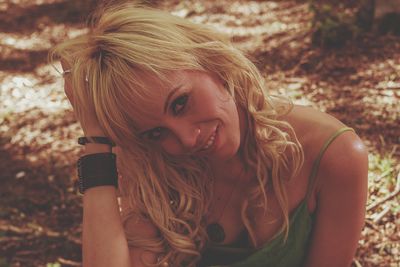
x=127, y=41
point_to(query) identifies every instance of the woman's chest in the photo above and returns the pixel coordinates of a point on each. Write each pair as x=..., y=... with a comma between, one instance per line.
x=236, y=217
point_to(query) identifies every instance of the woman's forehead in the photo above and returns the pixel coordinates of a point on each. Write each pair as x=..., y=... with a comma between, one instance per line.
x=145, y=103
x=157, y=90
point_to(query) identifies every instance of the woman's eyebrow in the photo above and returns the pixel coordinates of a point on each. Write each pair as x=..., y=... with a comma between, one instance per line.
x=170, y=94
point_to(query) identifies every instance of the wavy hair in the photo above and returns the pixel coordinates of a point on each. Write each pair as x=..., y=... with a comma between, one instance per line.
x=126, y=41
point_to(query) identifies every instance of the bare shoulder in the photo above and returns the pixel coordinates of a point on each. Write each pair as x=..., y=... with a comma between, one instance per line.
x=311, y=124
x=345, y=154
x=345, y=159
x=313, y=128
x=345, y=163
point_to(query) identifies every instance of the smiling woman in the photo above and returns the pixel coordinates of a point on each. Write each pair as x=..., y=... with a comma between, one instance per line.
x=186, y=119
x=214, y=171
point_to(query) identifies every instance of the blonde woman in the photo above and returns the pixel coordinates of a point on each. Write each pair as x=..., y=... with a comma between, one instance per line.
x=213, y=170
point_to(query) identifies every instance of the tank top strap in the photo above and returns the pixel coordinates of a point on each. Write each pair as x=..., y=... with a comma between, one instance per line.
x=314, y=170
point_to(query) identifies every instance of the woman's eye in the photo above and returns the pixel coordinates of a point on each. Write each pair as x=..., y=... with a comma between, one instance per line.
x=179, y=104
x=155, y=134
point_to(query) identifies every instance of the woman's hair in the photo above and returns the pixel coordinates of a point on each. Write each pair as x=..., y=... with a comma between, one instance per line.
x=127, y=42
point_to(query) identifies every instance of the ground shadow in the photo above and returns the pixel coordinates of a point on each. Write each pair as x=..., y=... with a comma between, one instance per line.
x=39, y=217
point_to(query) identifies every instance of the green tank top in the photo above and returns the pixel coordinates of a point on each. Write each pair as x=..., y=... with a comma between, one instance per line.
x=277, y=252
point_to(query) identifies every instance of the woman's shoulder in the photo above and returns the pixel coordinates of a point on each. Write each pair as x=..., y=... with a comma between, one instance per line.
x=310, y=122
x=342, y=155
x=312, y=128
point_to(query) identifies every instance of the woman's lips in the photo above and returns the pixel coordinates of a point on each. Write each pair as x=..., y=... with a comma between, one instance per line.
x=211, y=142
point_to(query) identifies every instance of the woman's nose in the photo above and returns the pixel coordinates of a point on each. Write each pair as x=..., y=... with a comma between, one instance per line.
x=188, y=135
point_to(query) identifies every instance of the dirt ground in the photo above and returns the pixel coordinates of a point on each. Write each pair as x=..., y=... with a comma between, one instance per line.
x=40, y=209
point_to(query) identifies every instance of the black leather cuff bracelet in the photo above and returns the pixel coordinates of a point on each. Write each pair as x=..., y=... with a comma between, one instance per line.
x=97, y=170
x=96, y=140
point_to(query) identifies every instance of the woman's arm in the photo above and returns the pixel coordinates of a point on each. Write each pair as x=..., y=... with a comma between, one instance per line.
x=103, y=241
x=341, y=198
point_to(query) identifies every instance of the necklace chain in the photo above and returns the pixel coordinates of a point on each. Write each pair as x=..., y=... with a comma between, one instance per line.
x=215, y=230
x=228, y=200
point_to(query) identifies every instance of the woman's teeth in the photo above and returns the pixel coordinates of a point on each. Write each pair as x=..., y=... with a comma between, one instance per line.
x=210, y=141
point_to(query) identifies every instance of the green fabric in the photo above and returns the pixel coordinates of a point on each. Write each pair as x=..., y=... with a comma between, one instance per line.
x=278, y=253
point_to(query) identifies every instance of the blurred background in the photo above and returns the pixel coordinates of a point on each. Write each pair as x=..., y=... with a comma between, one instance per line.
x=342, y=57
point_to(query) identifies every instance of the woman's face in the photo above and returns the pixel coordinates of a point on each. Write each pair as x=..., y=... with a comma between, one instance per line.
x=191, y=115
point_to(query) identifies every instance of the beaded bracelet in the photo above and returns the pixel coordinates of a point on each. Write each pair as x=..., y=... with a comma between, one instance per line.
x=97, y=170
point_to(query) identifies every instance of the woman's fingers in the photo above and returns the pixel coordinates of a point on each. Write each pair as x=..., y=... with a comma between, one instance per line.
x=88, y=120
x=67, y=81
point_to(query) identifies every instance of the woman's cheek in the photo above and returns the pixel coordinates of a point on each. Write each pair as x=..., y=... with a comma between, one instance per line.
x=171, y=146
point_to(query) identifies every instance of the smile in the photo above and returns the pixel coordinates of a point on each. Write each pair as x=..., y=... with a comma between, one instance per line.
x=210, y=141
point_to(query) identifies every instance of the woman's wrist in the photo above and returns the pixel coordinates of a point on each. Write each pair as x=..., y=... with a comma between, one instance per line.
x=93, y=148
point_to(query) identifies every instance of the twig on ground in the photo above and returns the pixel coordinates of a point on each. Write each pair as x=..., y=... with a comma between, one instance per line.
x=380, y=215
x=357, y=263
x=68, y=262
x=14, y=229
x=384, y=174
x=74, y=240
x=371, y=225
x=388, y=197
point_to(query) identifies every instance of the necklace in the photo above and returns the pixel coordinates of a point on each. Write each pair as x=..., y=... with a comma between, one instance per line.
x=215, y=231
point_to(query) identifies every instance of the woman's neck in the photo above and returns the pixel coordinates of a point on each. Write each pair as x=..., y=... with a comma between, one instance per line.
x=228, y=170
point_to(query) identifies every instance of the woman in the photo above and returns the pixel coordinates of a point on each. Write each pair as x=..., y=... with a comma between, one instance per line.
x=214, y=171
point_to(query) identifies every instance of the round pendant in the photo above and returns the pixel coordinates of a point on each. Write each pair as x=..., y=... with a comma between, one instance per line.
x=216, y=232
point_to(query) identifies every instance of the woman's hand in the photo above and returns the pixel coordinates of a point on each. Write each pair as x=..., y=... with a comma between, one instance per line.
x=89, y=122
